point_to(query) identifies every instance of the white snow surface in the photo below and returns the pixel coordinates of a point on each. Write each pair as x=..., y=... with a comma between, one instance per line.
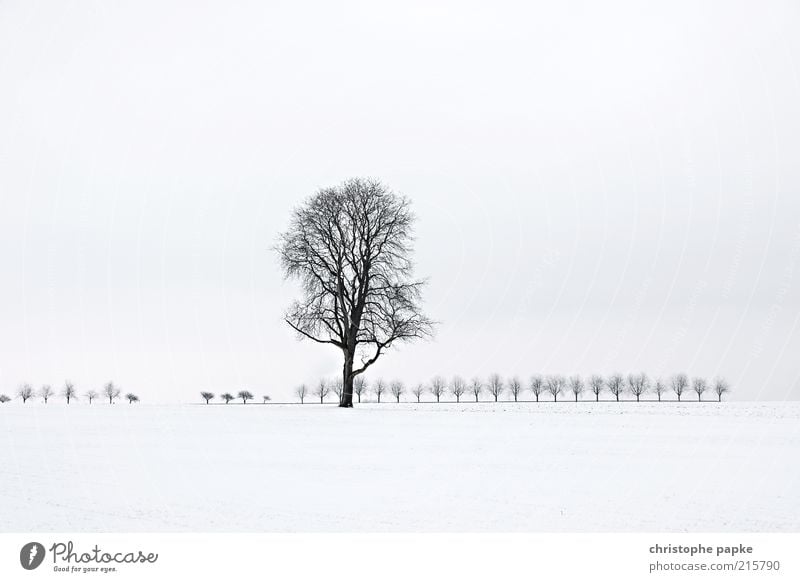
x=468, y=467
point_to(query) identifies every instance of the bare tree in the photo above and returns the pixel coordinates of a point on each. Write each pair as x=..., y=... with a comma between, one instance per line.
x=418, y=390
x=721, y=387
x=476, y=386
x=379, y=388
x=576, y=386
x=207, y=396
x=458, y=387
x=495, y=386
x=336, y=388
x=555, y=385
x=245, y=395
x=322, y=390
x=351, y=248
x=301, y=392
x=438, y=386
x=515, y=387
x=69, y=391
x=699, y=386
x=680, y=382
x=536, y=386
x=397, y=389
x=616, y=384
x=637, y=384
x=25, y=392
x=91, y=395
x=227, y=397
x=4, y=399
x=596, y=384
x=110, y=391
x=359, y=386
x=659, y=387
x=131, y=398
x=46, y=392
x=266, y=398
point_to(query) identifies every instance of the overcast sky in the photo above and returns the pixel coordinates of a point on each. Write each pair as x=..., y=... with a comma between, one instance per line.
x=600, y=186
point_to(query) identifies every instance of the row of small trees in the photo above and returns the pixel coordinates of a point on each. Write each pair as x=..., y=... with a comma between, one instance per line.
x=227, y=397
x=26, y=392
x=617, y=385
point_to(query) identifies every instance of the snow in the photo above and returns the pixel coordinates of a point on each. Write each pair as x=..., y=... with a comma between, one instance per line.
x=401, y=468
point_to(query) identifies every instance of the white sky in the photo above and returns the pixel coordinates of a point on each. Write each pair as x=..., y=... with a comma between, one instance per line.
x=601, y=186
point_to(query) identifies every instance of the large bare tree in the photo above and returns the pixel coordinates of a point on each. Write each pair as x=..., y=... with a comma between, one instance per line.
x=416, y=391
x=350, y=247
x=69, y=391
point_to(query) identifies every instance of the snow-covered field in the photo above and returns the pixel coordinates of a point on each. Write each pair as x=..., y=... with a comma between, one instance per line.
x=400, y=468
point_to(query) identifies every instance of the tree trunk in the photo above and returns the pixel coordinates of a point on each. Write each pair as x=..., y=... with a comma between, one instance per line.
x=617, y=395
x=346, y=399
x=637, y=398
x=597, y=397
x=537, y=398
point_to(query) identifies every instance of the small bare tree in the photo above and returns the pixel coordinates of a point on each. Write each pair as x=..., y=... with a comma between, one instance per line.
x=359, y=386
x=536, y=386
x=245, y=395
x=207, y=396
x=576, y=386
x=322, y=390
x=515, y=387
x=227, y=397
x=111, y=392
x=397, y=389
x=616, y=384
x=301, y=392
x=379, y=388
x=699, y=386
x=721, y=387
x=69, y=391
x=555, y=385
x=438, y=386
x=91, y=395
x=25, y=392
x=495, y=386
x=46, y=392
x=680, y=382
x=457, y=387
x=131, y=398
x=476, y=386
x=596, y=384
x=4, y=399
x=418, y=390
x=659, y=387
x=637, y=384
x=336, y=388
x=266, y=398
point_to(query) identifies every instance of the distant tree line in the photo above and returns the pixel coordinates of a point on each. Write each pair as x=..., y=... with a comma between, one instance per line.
x=111, y=392
x=553, y=388
x=227, y=397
